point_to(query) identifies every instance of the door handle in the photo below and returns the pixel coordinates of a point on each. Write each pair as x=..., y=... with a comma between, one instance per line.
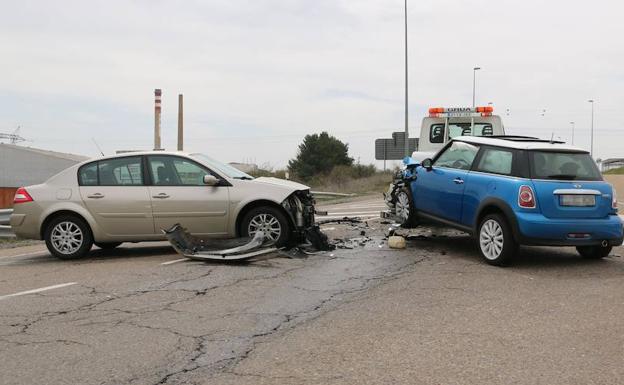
x=95, y=196
x=458, y=181
x=161, y=196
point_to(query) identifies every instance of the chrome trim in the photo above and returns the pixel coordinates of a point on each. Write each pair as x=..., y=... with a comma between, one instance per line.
x=566, y=191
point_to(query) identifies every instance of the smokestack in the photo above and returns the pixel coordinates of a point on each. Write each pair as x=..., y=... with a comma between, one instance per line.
x=157, y=94
x=180, y=123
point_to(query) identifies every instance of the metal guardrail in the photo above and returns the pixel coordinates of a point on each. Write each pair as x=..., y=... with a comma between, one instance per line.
x=5, y=215
x=5, y=229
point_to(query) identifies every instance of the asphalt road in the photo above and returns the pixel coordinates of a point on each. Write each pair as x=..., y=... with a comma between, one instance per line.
x=430, y=314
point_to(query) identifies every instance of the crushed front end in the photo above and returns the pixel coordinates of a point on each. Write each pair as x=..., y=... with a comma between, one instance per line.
x=400, y=180
x=300, y=206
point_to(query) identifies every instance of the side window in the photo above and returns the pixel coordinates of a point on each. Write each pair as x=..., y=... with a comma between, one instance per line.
x=496, y=161
x=459, y=155
x=121, y=172
x=176, y=171
x=87, y=175
x=189, y=173
x=436, y=135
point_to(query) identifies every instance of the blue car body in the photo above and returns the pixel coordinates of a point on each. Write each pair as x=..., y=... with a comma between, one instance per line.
x=462, y=193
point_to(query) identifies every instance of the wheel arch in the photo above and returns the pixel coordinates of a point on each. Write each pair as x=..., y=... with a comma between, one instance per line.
x=258, y=203
x=497, y=206
x=59, y=213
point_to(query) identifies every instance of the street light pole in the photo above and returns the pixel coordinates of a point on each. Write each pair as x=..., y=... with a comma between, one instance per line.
x=572, y=124
x=591, y=150
x=406, y=105
x=474, y=84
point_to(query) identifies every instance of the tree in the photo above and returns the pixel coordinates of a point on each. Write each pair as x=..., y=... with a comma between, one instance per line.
x=319, y=154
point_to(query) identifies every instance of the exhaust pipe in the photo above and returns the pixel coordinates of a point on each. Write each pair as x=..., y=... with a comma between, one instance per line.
x=604, y=243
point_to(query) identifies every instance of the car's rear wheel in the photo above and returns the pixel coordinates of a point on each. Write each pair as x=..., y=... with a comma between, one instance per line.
x=271, y=221
x=594, y=252
x=495, y=240
x=107, y=245
x=404, y=207
x=68, y=237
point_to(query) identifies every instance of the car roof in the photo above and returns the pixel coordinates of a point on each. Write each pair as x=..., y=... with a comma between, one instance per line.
x=139, y=153
x=520, y=142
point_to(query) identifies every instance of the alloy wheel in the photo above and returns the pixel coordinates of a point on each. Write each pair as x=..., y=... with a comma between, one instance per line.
x=491, y=239
x=266, y=223
x=67, y=237
x=401, y=207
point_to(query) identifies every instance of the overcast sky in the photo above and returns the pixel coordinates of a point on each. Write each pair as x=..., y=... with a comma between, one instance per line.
x=258, y=75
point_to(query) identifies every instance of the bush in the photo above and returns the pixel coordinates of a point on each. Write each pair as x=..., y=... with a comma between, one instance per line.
x=319, y=154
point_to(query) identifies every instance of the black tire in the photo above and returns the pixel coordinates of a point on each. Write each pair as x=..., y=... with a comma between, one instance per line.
x=405, y=195
x=107, y=245
x=502, y=247
x=594, y=252
x=254, y=214
x=54, y=229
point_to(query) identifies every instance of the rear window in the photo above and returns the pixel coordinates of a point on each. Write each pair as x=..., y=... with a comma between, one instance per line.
x=436, y=133
x=563, y=166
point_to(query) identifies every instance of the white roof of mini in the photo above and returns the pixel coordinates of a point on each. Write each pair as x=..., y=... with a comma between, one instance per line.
x=521, y=143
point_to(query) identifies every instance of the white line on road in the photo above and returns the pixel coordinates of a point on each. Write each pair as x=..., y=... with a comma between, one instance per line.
x=174, y=261
x=34, y=254
x=33, y=291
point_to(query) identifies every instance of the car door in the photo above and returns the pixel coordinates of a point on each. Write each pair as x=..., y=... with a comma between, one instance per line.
x=439, y=190
x=115, y=193
x=179, y=195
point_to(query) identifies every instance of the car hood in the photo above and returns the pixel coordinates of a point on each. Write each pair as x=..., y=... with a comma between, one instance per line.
x=287, y=184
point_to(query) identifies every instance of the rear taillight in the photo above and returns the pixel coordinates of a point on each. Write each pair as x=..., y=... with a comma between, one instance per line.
x=526, y=197
x=614, y=203
x=22, y=196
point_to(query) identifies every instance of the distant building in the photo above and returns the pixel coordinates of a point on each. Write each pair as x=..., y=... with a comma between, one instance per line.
x=611, y=163
x=244, y=167
x=24, y=166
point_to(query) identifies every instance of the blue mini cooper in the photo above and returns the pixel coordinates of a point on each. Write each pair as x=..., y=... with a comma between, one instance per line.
x=510, y=191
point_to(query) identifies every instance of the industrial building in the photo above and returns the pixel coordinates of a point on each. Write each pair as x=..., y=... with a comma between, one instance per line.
x=611, y=163
x=24, y=166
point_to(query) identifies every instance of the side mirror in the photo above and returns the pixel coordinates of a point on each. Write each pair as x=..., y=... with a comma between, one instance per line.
x=211, y=180
x=427, y=164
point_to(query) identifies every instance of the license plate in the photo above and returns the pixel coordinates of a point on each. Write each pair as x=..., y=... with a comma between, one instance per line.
x=577, y=200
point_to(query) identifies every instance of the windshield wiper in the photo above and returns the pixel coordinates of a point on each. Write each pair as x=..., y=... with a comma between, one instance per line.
x=562, y=176
x=243, y=177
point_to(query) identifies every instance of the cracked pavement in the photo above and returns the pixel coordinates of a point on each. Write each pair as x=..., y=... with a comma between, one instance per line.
x=433, y=313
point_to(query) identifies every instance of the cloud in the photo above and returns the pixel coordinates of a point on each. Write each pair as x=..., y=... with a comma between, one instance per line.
x=259, y=75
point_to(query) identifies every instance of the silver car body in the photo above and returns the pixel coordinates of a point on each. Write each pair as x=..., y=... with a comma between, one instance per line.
x=140, y=212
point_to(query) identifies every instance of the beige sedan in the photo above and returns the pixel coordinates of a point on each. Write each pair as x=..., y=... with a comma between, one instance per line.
x=133, y=197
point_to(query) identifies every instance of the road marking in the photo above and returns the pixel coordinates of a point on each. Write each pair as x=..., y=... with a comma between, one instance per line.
x=174, y=261
x=33, y=291
x=33, y=254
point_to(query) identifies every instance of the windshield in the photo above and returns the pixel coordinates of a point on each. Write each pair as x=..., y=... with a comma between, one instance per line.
x=563, y=166
x=436, y=134
x=226, y=169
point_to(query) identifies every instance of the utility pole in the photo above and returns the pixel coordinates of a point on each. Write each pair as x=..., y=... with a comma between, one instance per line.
x=591, y=151
x=157, y=95
x=572, y=124
x=474, y=85
x=406, y=105
x=180, y=123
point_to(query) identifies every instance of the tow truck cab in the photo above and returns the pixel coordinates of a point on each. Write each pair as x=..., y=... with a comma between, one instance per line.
x=444, y=124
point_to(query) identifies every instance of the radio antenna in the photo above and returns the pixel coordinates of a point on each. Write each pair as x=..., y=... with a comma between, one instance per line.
x=98, y=146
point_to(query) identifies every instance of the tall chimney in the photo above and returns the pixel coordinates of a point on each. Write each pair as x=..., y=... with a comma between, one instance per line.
x=157, y=94
x=180, y=123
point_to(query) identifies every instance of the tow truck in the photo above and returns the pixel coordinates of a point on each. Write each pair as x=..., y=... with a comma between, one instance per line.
x=437, y=129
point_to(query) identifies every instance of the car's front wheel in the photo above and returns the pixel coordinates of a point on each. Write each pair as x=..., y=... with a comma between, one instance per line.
x=495, y=240
x=269, y=220
x=594, y=252
x=404, y=208
x=68, y=237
